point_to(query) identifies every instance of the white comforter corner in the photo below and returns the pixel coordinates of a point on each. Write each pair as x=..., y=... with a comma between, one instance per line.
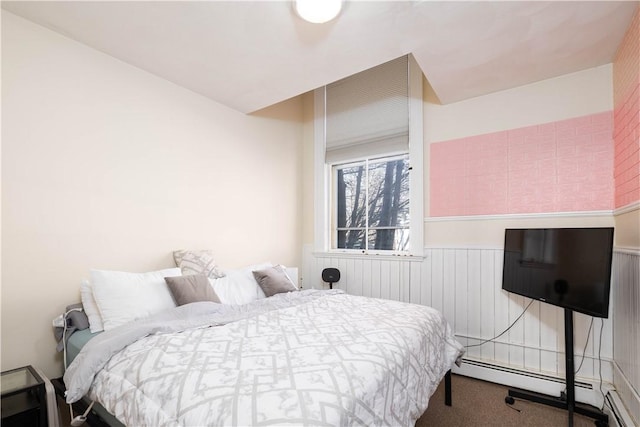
x=312, y=357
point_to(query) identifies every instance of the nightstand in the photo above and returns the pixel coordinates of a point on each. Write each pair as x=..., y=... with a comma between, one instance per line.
x=23, y=398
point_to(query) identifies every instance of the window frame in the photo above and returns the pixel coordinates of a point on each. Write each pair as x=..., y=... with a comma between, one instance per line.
x=323, y=178
x=334, y=228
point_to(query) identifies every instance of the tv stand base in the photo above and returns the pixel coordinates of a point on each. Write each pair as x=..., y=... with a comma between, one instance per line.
x=602, y=419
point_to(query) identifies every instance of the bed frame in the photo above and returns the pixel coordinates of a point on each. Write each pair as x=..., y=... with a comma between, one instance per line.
x=447, y=388
x=95, y=420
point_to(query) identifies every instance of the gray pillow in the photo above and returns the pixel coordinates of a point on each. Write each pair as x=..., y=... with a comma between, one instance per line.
x=193, y=288
x=274, y=280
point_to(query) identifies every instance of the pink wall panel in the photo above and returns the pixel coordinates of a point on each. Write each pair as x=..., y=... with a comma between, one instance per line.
x=626, y=89
x=564, y=166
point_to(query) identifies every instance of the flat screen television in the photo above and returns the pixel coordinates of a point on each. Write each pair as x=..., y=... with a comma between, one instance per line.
x=567, y=267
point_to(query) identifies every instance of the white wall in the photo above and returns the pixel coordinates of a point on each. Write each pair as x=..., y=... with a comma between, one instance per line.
x=572, y=95
x=106, y=166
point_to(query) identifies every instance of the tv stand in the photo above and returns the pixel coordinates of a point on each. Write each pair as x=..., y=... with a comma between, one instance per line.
x=566, y=400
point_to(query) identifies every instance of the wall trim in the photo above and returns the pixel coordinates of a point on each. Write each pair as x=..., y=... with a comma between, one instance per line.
x=628, y=208
x=624, y=390
x=519, y=216
x=618, y=211
x=618, y=413
x=321, y=254
x=352, y=255
x=626, y=250
x=478, y=247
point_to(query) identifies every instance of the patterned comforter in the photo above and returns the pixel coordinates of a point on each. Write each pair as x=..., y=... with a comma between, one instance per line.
x=303, y=358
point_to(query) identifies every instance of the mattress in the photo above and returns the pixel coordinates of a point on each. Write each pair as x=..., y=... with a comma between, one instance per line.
x=76, y=342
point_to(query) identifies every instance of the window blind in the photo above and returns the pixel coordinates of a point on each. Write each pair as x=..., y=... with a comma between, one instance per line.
x=367, y=114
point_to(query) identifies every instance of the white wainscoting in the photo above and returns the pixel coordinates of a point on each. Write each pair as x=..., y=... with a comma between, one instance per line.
x=465, y=285
x=626, y=328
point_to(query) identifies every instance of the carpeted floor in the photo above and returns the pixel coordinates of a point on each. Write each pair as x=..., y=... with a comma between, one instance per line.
x=480, y=403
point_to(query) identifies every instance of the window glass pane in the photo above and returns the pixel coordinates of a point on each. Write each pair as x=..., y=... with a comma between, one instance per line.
x=351, y=239
x=392, y=239
x=401, y=241
x=351, y=188
x=389, y=193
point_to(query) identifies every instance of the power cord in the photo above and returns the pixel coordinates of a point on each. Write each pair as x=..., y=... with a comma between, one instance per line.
x=76, y=421
x=584, y=350
x=503, y=332
x=80, y=419
x=65, y=325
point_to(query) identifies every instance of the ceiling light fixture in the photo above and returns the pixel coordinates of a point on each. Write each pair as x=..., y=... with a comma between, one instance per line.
x=317, y=11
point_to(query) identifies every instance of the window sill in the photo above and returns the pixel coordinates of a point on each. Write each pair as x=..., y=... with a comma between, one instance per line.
x=358, y=255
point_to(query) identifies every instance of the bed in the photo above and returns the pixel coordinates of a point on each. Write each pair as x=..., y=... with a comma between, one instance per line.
x=310, y=357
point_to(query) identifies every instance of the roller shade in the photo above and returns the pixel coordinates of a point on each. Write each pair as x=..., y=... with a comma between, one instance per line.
x=367, y=114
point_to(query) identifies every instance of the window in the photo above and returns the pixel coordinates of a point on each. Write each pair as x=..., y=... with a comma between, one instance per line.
x=371, y=202
x=368, y=162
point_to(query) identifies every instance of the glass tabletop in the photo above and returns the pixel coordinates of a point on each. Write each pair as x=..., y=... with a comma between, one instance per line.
x=18, y=379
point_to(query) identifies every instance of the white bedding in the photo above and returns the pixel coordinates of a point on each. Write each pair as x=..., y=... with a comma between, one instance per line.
x=310, y=357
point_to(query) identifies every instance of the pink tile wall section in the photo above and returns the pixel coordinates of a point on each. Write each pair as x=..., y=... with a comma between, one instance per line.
x=564, y=166
x=626, y=88
x=627, y=151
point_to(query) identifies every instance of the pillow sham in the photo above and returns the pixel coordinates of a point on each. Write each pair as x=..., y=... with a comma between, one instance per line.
x=123, y=297
x=239, y=286
x=90, y=307
x=197, y=262
x=191, y=288
x=274, y=280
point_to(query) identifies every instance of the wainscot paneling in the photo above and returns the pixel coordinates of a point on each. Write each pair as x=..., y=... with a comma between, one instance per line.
x=626, y=328
x=465, y=285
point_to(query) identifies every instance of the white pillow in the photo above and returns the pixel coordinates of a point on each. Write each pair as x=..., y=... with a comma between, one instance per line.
x=239, y=286
x=90, y=307
x=123, y=297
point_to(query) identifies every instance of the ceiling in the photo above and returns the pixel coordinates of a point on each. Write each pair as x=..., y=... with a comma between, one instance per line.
x=252, y=54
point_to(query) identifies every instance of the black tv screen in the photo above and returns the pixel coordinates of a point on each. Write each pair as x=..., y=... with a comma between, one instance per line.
x=567, y=267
